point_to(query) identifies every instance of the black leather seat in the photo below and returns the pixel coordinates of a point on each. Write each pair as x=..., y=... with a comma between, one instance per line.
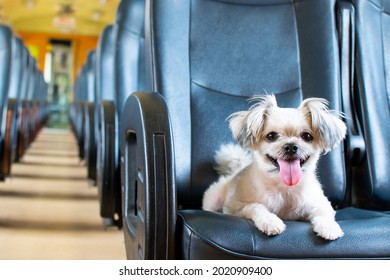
x=372, y=177
x=35, y=125
x=13, y=111
x=204, y=59
x=129, y=69
x=32, y=125
x=89, y=117
x=105, y=114
x=22, y=114
x=11, y=115
x=26, y=112
x=77, y=112
x=30, y=103
x=5, y=68
x=17, y=85
x=42, y=104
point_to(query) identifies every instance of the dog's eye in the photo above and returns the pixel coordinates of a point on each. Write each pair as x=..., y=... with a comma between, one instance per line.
x=306, y=136
x=272, y=136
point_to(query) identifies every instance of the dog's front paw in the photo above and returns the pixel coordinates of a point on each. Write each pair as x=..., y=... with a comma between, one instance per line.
x=270, y=225
x=327, y=229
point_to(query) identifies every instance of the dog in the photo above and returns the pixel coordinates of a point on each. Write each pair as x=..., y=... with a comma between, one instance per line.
x=271, y=175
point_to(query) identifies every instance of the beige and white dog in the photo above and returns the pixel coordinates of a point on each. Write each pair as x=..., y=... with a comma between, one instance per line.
x=271, y=175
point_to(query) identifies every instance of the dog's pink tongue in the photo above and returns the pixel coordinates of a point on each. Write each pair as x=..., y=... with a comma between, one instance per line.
x=290, y=171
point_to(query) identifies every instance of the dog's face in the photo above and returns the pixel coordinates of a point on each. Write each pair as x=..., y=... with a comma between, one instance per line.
x=286, y=141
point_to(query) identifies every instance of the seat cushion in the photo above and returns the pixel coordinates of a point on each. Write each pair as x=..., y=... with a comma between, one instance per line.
x=209, y=235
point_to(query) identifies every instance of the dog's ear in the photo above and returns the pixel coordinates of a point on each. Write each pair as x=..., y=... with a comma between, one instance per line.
x=239, y=128
x=325, y=123
x=247, y=126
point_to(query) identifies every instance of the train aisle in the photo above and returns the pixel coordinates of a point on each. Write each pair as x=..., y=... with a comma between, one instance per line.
x=48, y=210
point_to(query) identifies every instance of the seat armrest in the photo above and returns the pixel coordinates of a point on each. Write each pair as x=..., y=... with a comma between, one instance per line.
x=8, y=124
x=90, y=141
x=13, y=105
x=355, y=145
x=108, y=165
x=147, y=177
x=80, y=127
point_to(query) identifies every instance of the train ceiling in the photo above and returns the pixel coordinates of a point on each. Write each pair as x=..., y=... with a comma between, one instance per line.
x=79, y=17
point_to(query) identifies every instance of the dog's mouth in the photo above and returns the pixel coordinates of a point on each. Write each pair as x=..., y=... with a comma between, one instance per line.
x=290, y=170
x=274, y=161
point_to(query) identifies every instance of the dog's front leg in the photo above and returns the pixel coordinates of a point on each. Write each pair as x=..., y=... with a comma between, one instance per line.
x=265, y=221
x=323, y=221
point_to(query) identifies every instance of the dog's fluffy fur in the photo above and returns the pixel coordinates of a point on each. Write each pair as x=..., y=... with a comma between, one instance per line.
x=271, y=175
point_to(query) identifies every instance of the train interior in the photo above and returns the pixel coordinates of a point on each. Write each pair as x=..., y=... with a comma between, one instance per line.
x=112, y=111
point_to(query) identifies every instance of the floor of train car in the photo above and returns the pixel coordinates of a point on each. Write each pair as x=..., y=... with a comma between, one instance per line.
x=49, y=211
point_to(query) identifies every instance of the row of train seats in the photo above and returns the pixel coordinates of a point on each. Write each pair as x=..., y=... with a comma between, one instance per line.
x=23, y=95
x=151, y=105
x=108, y=76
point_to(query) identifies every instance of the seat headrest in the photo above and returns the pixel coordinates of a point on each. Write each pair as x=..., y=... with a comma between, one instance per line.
x=130, y=15
x=105, y=65
x=255, y=2
x=90, y=68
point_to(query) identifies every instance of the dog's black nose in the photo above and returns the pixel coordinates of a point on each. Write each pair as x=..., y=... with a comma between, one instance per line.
x=291, y=149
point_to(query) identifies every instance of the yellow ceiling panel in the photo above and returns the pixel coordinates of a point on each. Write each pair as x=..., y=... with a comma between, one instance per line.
x=81, y=17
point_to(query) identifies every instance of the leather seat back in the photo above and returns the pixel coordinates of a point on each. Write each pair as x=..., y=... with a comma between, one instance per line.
x=24, y=79
x=31, y=78
x=90, y=77
x=208, y=57
x=373, y=68
x=5, y=58
x=130, y=50
x=16, y=75
x=105, y=89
